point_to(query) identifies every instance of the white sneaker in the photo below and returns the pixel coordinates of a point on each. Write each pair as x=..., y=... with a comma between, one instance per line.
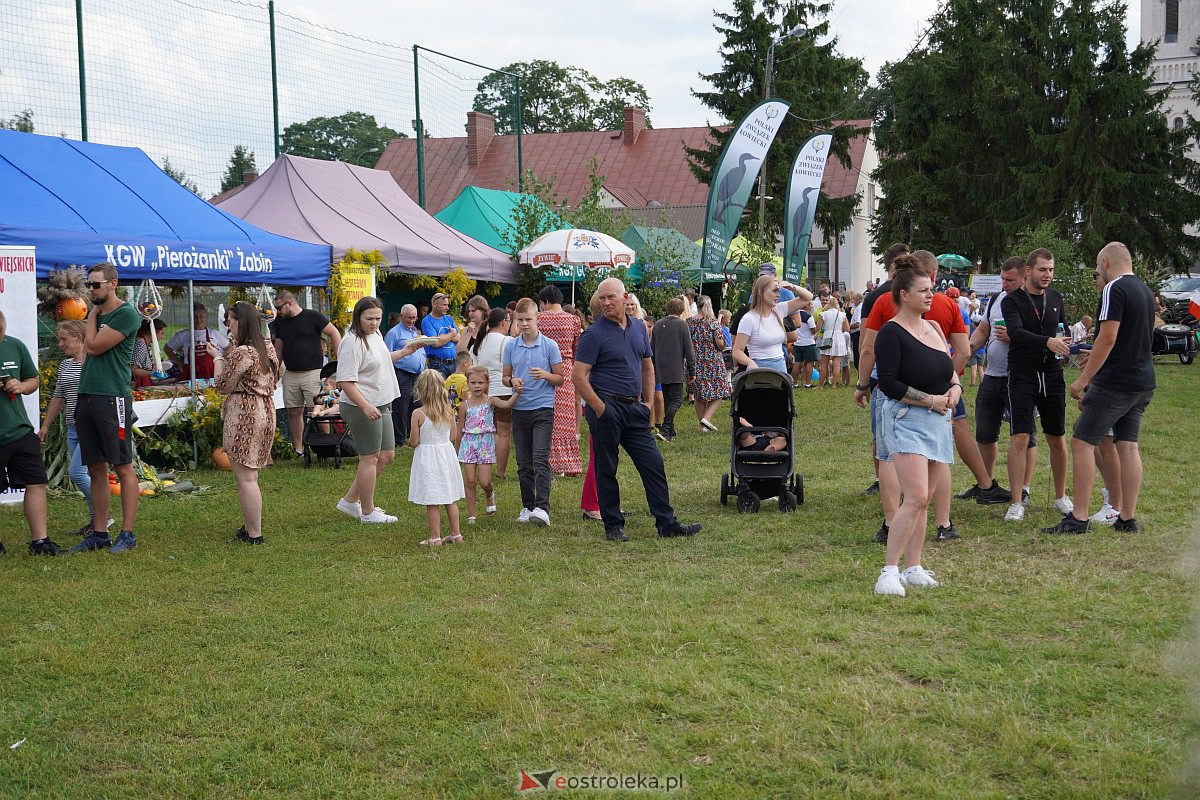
x=889, y=583
x=1107, y=515
x=377, y=515
x=1015, y=513
x=539, y=517
x=349, y=509
x=524, y=516
x=918, y=576
x=1063, y=505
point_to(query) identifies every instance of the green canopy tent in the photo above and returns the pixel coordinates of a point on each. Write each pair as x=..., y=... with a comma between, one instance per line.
x=483, y=214
x=665, y=248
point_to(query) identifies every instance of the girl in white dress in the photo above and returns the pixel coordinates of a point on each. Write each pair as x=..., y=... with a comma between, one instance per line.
x=435, y=479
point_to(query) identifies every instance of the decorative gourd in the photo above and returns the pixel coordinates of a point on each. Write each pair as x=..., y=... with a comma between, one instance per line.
x=220, y=459
x=72, y=308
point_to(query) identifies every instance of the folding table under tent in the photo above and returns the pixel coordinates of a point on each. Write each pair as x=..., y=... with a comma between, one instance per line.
x=346, y=206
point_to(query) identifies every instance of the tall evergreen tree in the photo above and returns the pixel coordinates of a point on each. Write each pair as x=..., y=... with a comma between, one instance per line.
x=1011, y=116
x=821, y=86
x=241, y=162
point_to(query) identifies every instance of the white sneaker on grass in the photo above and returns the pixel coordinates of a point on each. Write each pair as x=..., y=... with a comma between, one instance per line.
x=377, y=515
x=1063, y=505
x=524, y=515
x=539, y=517
x=1107, y=515
x=889, y=583
x=1015, y=513
x=917, y=575
x=349, y=509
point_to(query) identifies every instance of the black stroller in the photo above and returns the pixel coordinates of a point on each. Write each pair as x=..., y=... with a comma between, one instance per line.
x=764, y=398
x=327, y=436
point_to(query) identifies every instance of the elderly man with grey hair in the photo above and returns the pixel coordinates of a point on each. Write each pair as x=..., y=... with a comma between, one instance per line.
x=614, y=375
x=408, y=366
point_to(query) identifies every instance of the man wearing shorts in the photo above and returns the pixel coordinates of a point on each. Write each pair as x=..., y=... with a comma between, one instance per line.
x=21, y=464
x=1032, y=314
x=1114, y=388
x=992, y=399
x=104, y=408
x=296, y=334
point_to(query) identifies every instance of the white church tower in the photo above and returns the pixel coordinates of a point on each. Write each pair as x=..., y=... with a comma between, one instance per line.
x=1176, y=26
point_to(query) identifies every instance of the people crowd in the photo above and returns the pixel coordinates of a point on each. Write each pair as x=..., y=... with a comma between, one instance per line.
x=523, y=380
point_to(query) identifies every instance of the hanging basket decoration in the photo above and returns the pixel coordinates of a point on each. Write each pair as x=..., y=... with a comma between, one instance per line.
x=149, y=305
x=266, y=303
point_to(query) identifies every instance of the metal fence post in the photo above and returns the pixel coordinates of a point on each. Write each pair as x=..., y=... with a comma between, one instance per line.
x=274, y=75
x=82, y=74
x=419, y=128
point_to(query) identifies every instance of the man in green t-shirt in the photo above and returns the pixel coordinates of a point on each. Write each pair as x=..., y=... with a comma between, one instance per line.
x=104, y=410
x=21, y=463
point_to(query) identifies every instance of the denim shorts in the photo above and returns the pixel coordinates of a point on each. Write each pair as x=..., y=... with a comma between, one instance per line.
x=878, y=398
x=778, y=364
x=916, y=430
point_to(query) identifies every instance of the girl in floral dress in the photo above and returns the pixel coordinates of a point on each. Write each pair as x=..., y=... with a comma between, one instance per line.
x=477, y=437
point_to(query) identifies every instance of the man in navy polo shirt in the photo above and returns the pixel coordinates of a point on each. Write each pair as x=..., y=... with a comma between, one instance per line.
x=439, y=323
x=614, y=375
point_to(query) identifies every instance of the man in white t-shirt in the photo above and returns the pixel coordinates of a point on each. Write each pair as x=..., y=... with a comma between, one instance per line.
x=1079, y=331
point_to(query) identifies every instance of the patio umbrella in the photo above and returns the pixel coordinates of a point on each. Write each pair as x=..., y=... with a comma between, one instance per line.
x=567, y=251
x=953, y=261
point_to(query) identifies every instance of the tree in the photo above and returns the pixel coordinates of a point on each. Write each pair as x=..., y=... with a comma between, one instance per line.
x=353, y=137
x=241, y=162
x=557, y=99
x=1017, y=114
x=179, y=176
x=822, y=86
x=21, y=121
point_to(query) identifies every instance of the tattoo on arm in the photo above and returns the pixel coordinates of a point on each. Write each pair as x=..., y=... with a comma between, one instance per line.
x=916, y=395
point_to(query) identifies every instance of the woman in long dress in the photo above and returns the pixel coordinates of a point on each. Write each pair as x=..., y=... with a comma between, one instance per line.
x=711, y=384
x=564, y=329
x=247, y=377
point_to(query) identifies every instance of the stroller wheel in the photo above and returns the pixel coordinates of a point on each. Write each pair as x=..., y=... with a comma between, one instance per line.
x=307, y=458
x=748, y=503
x=725, y=489
x=787, y=503
x=798, y=489
x=1186, y=358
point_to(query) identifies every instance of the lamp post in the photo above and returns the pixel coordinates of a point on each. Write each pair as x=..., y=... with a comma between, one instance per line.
x=354, y=159
x=799, y=30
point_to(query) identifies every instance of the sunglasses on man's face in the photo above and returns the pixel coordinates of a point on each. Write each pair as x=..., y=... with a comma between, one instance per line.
x=95, y=286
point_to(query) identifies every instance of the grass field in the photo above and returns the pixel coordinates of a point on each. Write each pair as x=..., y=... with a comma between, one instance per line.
x=341, y=660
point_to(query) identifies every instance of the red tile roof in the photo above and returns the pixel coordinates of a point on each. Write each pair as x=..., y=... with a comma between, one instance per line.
x=653, y=168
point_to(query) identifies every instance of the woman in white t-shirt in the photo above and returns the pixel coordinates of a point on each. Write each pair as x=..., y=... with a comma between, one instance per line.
x=368, y=383
x=760, y=337
x=833, y=324
x=488, y=351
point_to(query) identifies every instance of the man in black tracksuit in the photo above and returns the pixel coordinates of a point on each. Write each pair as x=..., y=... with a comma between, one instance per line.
x=1033, y=315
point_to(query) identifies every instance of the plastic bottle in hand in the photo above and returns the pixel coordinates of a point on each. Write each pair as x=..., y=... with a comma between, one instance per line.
x=1062, y=335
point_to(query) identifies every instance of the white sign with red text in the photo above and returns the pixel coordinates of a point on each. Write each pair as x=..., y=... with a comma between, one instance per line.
x=18, y=301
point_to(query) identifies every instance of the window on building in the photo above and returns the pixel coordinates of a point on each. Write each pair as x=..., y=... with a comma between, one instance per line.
x=818, y=267
x=1178, y=124
x=1171, y=30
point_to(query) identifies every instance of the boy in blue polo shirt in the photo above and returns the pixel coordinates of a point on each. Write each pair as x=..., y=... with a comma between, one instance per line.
x=533, y=364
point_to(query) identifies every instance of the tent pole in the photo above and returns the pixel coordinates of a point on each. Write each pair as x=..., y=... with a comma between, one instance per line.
x=192, y=360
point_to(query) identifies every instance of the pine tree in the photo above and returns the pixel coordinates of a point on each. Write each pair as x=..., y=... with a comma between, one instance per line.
x=1008, y=117
x=821, y=86
x=241, y=162
x=179, y=176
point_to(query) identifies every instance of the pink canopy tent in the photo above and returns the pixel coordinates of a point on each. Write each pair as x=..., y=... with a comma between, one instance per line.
x=345, y=206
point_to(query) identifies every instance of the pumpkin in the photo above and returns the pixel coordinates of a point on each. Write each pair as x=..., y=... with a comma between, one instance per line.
x=72, y=308
x=220, y=459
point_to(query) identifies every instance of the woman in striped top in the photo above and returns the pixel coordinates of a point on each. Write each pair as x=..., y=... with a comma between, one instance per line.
x=70, y=339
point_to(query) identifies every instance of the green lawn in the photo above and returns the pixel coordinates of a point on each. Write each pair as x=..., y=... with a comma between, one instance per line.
x=341, y=660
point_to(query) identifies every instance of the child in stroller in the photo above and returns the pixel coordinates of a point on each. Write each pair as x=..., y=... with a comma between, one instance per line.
x=325, y=432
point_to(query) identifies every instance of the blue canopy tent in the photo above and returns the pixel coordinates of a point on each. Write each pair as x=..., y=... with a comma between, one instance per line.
x=82, y=203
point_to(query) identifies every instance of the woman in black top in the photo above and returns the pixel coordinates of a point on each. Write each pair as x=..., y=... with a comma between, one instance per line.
x=917, y=375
